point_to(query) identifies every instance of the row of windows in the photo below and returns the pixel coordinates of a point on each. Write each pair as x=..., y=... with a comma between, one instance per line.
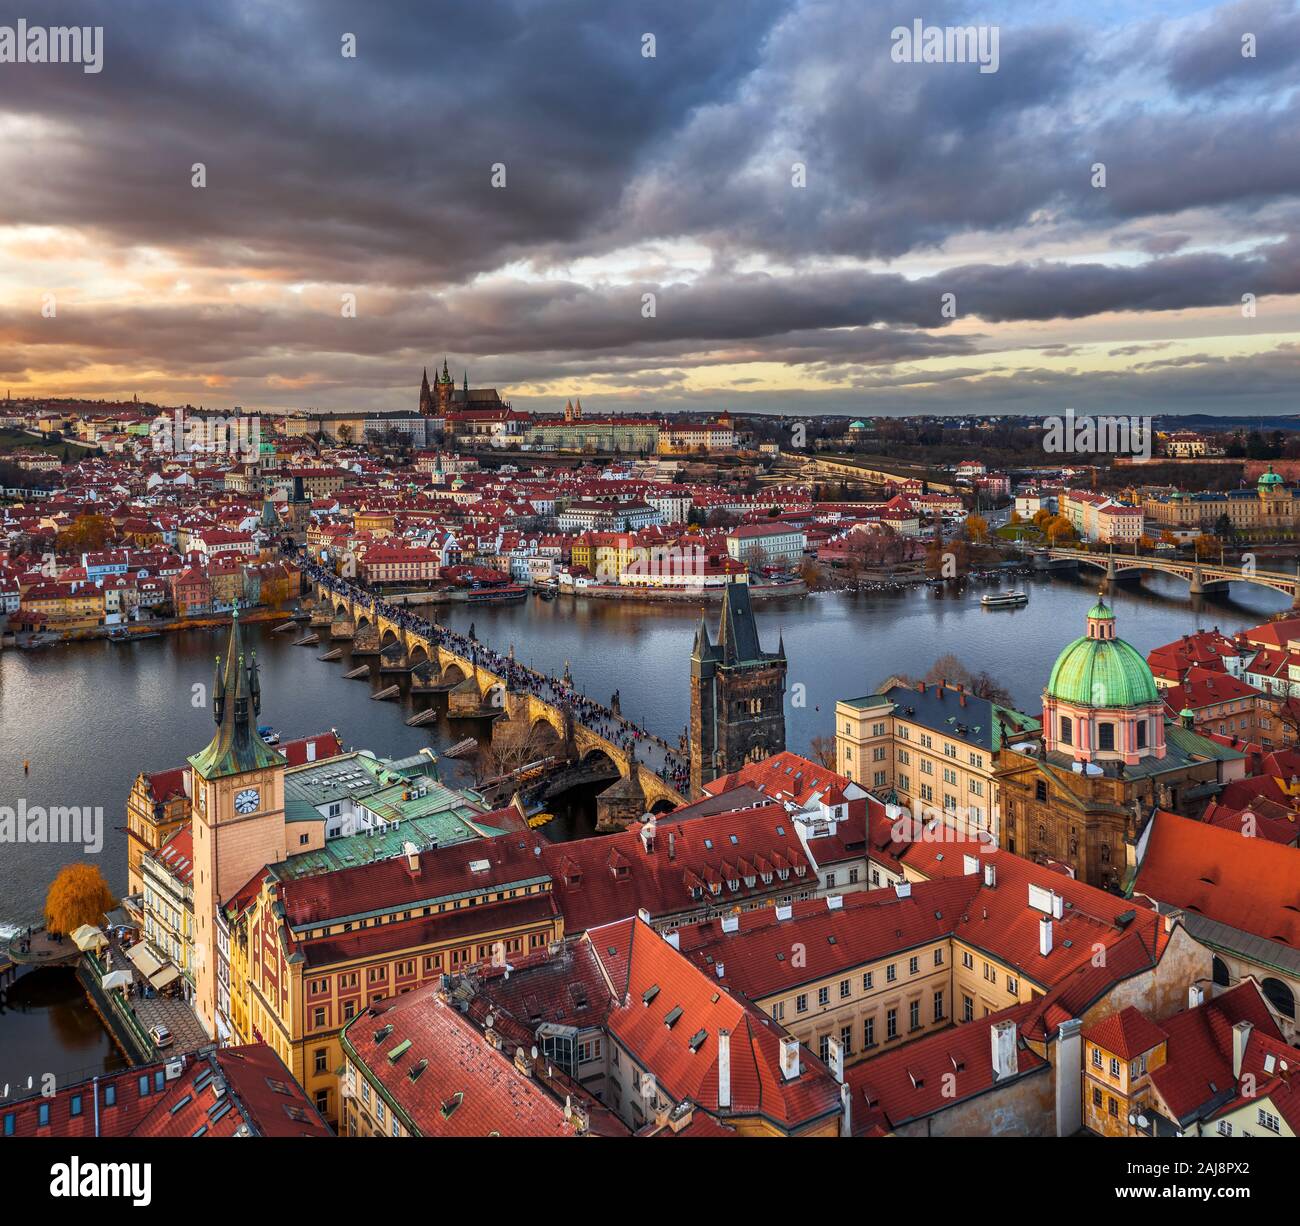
x=891, y=1027
x=845, y=990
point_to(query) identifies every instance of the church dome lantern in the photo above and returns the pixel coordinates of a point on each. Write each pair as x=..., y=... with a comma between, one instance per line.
x=1101, y=702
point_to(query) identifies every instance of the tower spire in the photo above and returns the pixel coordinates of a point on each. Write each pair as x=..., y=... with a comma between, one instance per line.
x=236, y=703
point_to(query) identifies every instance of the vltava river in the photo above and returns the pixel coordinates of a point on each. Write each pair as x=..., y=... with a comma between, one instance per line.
x=89, y=717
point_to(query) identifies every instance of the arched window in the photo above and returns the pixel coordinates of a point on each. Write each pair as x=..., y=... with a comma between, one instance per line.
x=1279, y=996
x=1219, y=971
x=1067, y=730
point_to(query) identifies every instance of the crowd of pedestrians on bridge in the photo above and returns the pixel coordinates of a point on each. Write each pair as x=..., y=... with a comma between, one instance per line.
x=519, y=678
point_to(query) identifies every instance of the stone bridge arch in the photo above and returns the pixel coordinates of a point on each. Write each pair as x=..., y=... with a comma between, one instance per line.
x=453, y=673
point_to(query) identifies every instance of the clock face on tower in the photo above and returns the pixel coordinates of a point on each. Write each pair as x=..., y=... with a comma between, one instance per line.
x=247, y=800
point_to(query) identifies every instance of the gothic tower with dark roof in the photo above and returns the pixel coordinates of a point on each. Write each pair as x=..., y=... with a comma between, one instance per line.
x=737, y=693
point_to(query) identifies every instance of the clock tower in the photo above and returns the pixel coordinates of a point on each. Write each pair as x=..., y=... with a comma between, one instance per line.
x=238, y=821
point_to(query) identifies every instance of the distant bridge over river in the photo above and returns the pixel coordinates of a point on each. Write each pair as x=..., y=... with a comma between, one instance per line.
x=1202, y=577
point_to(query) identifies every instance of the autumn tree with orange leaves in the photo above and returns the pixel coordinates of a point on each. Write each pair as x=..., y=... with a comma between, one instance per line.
x=78, y=895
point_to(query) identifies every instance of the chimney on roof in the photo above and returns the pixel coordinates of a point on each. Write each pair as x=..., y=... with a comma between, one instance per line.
x=789, y=1057
x=672, y=845
x=648, y=836
x=1240, y=1037
x=1002, y=1036
x=1195, y=996
x=724, y=1070
x=674, y=939
x=730, y=923
x=969, y=866
x=1045, y=936
x=991, y=876
x=846, y=1110
x=412, y=854
x=836, y=1052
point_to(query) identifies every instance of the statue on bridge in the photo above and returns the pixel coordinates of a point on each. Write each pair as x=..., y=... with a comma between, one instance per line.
x=614, y=706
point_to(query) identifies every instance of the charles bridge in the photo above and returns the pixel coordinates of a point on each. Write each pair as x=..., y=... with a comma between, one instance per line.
x=481, y=683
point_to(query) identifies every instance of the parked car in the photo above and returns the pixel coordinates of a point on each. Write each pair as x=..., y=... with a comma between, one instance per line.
x=161, y=1036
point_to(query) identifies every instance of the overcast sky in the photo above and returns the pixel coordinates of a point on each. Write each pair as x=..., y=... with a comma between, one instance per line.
x=674, y=175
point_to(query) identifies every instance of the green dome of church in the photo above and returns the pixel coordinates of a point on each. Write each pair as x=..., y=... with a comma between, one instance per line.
x=1100, y=670
x=1270, y=479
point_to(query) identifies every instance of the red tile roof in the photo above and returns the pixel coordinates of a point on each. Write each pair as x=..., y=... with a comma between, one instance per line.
x=932, y=1074
x=1126, y=1034
x=611, y=877
x=652, y=982
x=464, y=1086
x=1251, y=884
x=257, y=1097
x=1196, y=1077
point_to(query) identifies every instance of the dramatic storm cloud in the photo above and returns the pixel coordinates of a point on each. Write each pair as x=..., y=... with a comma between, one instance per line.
x=1108, y=219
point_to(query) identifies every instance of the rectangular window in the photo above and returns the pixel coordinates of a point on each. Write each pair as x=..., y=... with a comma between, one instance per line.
x=823, y=996
x=869, y=1032
x=914, y=1015
x=891, y=1024
x=938, y=1006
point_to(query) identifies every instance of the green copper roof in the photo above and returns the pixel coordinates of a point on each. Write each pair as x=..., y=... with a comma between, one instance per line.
x=1102, y=673
x=1270, y=478
x=236, y=748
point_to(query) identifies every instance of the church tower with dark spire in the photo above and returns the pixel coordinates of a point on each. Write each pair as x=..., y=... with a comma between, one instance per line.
x=426, y=396
x=238, y=819
x=737, y=693
x=445, y=388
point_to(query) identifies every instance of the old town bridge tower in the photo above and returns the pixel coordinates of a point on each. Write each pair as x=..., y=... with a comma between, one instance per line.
x=737, y=693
